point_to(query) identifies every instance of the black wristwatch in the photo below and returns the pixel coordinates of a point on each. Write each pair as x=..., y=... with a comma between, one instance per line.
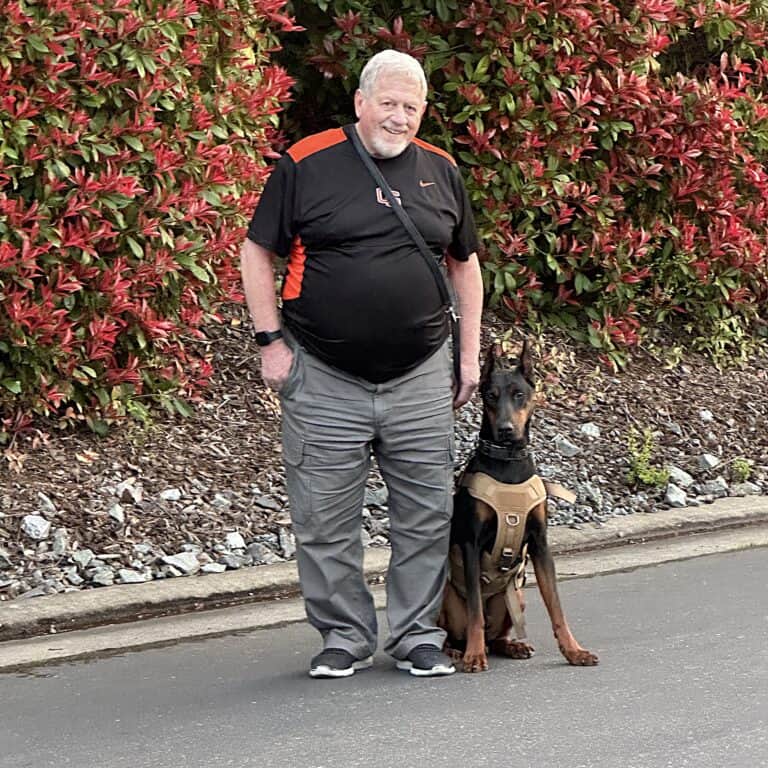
x=263, y=338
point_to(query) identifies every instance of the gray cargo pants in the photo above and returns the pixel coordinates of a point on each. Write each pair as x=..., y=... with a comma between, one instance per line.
x=332, y=421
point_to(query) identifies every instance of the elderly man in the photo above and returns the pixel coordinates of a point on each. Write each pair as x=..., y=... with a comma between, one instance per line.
x=362, y=363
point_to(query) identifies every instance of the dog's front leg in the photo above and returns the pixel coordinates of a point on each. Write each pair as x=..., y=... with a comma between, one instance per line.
x=475, y=657
x=544, y=568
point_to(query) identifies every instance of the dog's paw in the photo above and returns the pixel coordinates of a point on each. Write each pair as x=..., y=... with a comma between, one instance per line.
x=513, y=649
x=453, y=653
x=580, y=657
x=475, y=662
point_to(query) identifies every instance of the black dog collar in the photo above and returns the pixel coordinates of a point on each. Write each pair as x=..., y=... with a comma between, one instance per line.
x=496, y=451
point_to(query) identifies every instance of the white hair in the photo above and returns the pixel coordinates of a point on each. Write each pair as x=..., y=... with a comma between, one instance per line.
x=394, y=62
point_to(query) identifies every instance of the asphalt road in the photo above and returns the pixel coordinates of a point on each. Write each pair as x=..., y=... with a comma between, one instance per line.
x=683, y=681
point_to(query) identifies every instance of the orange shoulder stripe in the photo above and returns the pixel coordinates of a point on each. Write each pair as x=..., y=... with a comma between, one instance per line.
x=316, y=143
x=436, y=150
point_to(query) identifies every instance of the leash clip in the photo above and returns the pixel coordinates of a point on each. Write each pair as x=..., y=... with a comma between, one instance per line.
x=455, y=316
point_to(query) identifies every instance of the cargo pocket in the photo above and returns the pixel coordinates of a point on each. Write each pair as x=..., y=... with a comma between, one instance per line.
x=296, y=476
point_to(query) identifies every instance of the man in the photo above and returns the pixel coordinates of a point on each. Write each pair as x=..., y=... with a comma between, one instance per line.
x=364, y=365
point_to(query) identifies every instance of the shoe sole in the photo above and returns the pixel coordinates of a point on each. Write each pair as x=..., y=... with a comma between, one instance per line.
x=325, y=671
x=440, y=670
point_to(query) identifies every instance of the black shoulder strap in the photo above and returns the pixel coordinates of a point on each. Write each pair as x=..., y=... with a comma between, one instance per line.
x=397, y=208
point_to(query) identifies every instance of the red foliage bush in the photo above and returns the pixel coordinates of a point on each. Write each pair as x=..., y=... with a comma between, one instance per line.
x=615, y=172
x=133, y=138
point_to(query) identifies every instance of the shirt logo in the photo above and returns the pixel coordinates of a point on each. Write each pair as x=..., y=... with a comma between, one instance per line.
x=423, y=183
x=383, y=200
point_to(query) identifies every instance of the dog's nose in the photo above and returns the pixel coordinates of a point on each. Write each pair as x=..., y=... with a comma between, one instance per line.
x=506, y=434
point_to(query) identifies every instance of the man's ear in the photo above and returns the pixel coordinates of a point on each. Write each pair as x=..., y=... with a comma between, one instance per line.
x=358, y=102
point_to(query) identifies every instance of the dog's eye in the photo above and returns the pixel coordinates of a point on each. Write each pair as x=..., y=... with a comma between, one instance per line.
x=492, y=395
x=519, y=397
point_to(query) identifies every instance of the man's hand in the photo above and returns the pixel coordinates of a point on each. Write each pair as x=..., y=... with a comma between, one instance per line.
x=470, y=379
x=276, y=359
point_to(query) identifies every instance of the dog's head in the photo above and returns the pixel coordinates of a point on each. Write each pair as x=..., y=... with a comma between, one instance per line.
x=507, y=388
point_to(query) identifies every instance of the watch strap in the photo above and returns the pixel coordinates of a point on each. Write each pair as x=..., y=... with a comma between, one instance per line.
x=263, y=338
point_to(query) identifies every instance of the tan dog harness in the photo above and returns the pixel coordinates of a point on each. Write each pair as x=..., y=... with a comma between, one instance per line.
x=503, y=569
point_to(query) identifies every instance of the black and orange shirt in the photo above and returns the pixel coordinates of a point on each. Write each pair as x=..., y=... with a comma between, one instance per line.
x=357, y=293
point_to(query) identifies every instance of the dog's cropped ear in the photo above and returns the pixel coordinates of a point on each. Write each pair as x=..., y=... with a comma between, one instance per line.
x=494, y=352
x=526, y=363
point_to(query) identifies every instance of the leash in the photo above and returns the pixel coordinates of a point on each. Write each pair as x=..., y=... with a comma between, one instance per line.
x=397, y=208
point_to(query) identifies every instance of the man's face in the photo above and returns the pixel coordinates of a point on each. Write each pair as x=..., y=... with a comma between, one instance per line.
x=390, y=116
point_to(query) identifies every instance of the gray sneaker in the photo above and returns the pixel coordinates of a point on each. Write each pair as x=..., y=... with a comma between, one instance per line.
x=427, y=661
x=335, y=662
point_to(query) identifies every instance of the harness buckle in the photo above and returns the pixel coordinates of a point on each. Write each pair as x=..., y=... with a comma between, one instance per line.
x=507, y=559
x=512, y=519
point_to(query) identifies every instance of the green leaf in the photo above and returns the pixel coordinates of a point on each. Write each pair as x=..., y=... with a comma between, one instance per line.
x=199, y=273
x=38, y=44
x=99, y=426
x=582, y=283
x=133, y=142
x=12, y=385
x=182, y=408
x=136, y=249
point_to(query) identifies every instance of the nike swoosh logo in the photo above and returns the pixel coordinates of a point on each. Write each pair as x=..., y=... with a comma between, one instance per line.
x=426, y=183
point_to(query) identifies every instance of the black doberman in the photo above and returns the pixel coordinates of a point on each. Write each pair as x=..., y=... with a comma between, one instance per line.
x=478, y=624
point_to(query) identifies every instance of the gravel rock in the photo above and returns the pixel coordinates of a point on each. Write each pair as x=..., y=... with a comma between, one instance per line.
x=267, y=502
x=60, y=542
x=185, y=562
x=566, y=448
x=716, y=488
x=708, y=461
x=36, y=527
x=263, y=555
x=214, y=568
x=73, y=577
x=680, y=477
x=675, y=496
x=235, y=540
x=744, y=489
x=221, y=502
x=128, y=576
x=233, y=561
x=103, y=576
x=376, y=497
x=83, y=557
x=287, y=543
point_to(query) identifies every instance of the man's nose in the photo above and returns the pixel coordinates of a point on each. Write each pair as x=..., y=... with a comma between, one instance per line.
x=399, y=115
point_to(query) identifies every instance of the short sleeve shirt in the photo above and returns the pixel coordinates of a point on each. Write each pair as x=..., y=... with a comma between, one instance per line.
x=357, y=292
